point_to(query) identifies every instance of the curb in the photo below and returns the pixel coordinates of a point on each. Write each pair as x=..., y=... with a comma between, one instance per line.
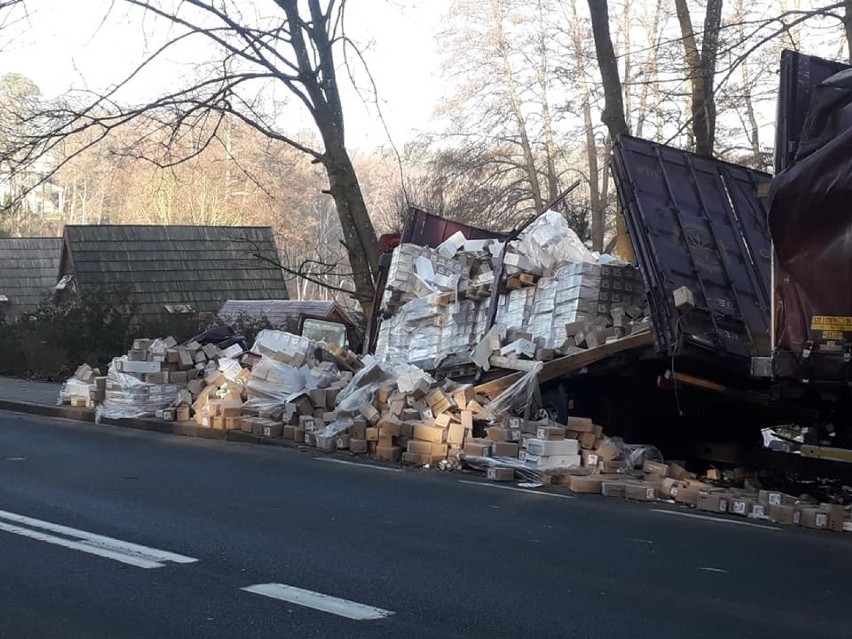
x=183, y=429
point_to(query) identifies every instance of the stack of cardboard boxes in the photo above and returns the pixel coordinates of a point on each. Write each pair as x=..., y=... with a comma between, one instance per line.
x=85, y=389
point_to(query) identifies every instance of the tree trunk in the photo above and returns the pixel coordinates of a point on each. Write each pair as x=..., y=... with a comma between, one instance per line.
x=542, y=76
x=613, y=112
x=515, y=103
x=701, y=71
x=847, y=25
x=597, y=211
x=650, y=71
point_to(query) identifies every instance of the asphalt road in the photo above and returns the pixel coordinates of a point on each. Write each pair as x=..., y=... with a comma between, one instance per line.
x=425, y=554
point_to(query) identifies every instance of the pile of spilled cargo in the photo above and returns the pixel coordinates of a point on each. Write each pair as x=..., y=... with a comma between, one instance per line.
x=314, y=395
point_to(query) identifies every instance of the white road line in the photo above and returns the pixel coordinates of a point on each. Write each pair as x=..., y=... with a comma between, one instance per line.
x=707, y=569
x=718, y=520
x=517, y=490
x=349, y=463
x=100, y=541
x=139, y=562
x=319, y=601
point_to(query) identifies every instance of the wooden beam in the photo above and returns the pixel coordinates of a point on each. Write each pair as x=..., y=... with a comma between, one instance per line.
x=512, y=363
x=564, y=365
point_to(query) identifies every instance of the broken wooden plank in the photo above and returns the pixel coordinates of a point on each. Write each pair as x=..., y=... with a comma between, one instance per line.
x=570, y=363
x=512, y=363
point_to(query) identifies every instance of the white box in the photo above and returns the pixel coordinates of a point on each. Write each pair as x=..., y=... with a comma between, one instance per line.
x=539, y=462
x=553, y=447
x=127, y=366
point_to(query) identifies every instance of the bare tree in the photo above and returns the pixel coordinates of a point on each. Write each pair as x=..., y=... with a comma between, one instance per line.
x=291, y=45
x=701, y=74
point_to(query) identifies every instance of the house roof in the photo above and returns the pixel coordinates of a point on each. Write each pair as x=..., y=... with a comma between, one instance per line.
x=29, y=268
x=278, y=312
x=183, y=267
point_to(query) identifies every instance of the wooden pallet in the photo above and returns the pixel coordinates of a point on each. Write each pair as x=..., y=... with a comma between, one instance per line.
x=521, y=280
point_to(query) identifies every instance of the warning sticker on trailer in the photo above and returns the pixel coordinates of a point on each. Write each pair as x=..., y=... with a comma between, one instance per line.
x=841, y=323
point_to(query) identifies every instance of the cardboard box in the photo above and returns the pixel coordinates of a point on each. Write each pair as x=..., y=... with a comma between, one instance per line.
x=182, y=413
x=535, y=446
x=273, y=430
x=358, y=430
x=607, y=450
x=411, y=458
x=317, y=397
x=773, y=498
x=370, y=413
x=783, y=514
x=504, y=449
x=740, y=506
x=549, y=462
x=586, y=484
x=497, y=434
x=390, y=426
x=389, y=453
x=836, y=515
x=288, y=432
x=655, y=469
x=613, y=488
x=686, y=496
x=611, y=466
x=455, y=434
x=588, y=440
x=442, y=420
x=358, y=446
x=430, y=433
x=476, y=449
x=814, y=518
x=590, y=459
x=307, y=423
x=500, y=474
x=713, y=502
x=669, y=486
x=299, y=436
x=439, y=450
x=128, y=366
x=677, y=471
x=372, y=434
x=550, y=432
x=419, y=448
x=640, y=491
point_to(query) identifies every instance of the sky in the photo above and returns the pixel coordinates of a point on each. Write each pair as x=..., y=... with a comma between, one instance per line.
x=92, y=44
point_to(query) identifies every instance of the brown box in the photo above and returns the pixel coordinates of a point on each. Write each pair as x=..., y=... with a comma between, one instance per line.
x=390, y=426
x=442, y=420
x=497, y=434
x=783, y=514
x=419, y=448
x=668, y=486
x=299, y=435
x=590, y=459
x=500, y=474
x=612, y=466
x=677, y=471
x=588, y=440
x=411, y=458
x=455, y=434
x=504, y=449
x=217, y=422
x=385, y=441
x=430, y=433
x=836, y=515
x=640, y=491
x=477, y=449
x=396, y=407
x=814, y=518
x=372, y=434
x=607, y=450
x=586, y=484
x=182, y=413
x=463, y=395
x=357, y=445
x=550, y=432
x=390, y=453
x=273, y=430
x=288, y=432
x=370, y=413
x=466, y=419
x=613, y=488
x=687, y=496
x=740, y=506
x=317, y=397
x=439, y=450
x=712, y=502
x=580, y=424
x=358, y=430
x=655, y=469
x=231, y=423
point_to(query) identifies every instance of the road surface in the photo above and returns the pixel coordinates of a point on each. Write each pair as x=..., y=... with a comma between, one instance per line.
x=106, y=532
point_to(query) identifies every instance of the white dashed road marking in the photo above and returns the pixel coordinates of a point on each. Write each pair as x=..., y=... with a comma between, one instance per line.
x=517, y=490
x=319, y=601
x=718, y=520
x=349, y=463
x=91, y=543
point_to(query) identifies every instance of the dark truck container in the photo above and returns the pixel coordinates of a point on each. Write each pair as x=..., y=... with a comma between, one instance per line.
x=700, y=225
x=811, y=226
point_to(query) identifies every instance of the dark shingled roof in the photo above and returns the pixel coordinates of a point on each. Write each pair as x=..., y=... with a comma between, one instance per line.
x=29, y=268
x=279, y=312
x=198, y=266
